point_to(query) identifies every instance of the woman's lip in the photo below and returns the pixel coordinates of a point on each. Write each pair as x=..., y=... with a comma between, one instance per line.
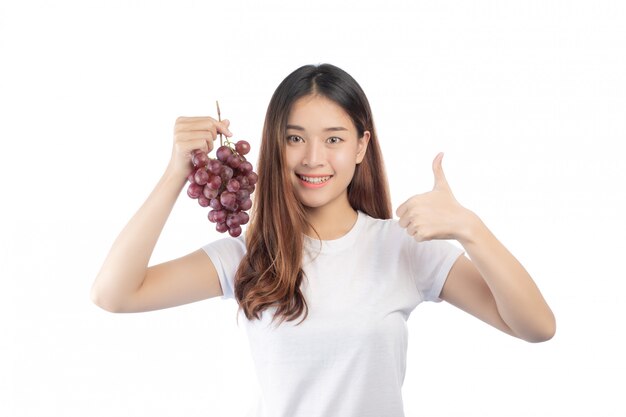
x=314, y=185
x=313, y=176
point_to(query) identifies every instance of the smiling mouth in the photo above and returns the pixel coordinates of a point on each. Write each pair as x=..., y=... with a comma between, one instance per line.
x=314, y=180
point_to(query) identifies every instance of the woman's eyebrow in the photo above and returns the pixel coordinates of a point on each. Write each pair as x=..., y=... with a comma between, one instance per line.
x=328, y=129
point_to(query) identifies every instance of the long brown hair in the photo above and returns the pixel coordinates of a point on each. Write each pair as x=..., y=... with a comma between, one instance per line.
x=270, y=273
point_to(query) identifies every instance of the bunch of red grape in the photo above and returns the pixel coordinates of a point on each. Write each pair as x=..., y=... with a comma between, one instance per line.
x=224, y=184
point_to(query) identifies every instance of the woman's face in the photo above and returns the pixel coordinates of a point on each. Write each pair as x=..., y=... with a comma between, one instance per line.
x=322, y=150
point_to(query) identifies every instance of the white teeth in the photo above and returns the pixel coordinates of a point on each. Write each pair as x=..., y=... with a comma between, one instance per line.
x=317, y=180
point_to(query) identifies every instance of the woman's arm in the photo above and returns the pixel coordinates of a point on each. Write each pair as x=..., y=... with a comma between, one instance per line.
x=493, y=285
x=122, y=275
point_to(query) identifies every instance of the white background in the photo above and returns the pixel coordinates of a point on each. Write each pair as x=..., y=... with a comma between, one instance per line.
x=526, y=99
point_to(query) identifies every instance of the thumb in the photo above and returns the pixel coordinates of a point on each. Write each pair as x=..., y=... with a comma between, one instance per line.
x=440, y=177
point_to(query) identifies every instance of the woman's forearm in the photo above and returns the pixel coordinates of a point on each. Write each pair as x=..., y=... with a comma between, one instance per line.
x=519, y=301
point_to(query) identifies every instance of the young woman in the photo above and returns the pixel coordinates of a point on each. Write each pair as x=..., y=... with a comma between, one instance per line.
x=324, y=277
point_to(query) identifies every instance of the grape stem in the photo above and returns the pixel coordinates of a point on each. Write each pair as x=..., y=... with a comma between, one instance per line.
x=219, y=119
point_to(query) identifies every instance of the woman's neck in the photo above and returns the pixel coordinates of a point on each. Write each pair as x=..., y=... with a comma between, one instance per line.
x=330, y=223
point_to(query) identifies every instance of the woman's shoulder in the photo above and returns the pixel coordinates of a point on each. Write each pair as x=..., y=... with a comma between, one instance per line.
x=234, y=245
x=382, y=227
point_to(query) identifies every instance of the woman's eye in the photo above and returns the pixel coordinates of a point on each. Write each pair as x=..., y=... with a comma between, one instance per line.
x=335, y=139
x=293, y=138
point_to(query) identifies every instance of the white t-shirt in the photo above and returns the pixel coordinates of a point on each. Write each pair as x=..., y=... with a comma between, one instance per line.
x=348, y=357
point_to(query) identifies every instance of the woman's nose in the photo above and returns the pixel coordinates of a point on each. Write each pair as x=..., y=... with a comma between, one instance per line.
x=314, y=154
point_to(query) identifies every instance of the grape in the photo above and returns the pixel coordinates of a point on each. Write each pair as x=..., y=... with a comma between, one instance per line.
x=217, y=216
x=223, y=152
x=220, y=216
x=234, y=231
x=224, y=184
x=252, y=178
x=215, y=182
x=227, y=173
x=201, y=176
x=234, y=161
x=243, y=182
x=242, y=147
x=243, y=217
x=194, y=190
x=245, y=204
x=232, y=220
x=203, y=201
x=242, y=194
x=199, y=158
x=215, y=204
x=215, y=166
x=209, y=192
x=228, y=199
x=233, y=186
x=245, y=167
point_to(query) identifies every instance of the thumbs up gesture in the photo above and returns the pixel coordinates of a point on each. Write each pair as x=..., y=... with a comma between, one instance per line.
x=435, y=214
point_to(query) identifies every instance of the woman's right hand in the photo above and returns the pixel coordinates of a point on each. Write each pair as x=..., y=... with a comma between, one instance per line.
x=191, y=133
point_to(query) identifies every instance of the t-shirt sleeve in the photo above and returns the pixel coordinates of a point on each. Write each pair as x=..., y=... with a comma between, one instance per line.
x=226, y=255
x=431, y=262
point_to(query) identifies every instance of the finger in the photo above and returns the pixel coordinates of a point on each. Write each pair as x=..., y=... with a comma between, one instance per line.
x=404, y=222
x=401, y=209
x=440, y=177
x=203, y=128
x=222, y=127
x=193, y=123
x=203, y=145
x=194, y=135
x=186, y=119
x=195, y=140
x=418, y=235
x=203, y=123
x=413, y=201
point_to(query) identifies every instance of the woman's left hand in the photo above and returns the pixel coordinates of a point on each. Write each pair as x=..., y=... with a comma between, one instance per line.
x=435, y=214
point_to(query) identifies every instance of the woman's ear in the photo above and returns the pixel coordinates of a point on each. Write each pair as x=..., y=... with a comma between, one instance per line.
x=362, y=146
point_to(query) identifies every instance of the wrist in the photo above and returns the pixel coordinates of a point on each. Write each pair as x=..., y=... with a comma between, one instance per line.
x=175, y=170
x=174, y=174
x=471, y=226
